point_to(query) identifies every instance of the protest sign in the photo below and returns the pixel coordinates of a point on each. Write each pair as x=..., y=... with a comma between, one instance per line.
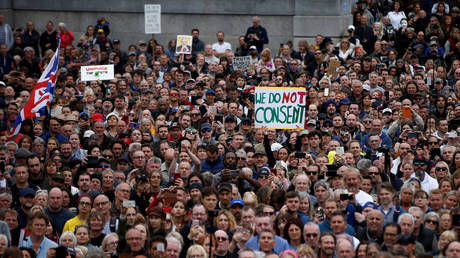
x=152, y=15
x=280, y=107
x=184, y=44
x=97, y=72
x=241, y=62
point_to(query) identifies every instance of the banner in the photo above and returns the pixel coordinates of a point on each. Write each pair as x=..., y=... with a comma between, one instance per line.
x=280, y=108
x=97, y=72
x=152, y=15
x=241, y=62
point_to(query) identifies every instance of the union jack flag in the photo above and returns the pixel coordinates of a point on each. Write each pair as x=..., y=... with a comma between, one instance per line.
x=42, y=94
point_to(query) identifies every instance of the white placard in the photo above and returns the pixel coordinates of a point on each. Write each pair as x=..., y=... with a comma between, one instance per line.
x=97, y=72
x=152, y=14
x=241, y=62
x=280, y=107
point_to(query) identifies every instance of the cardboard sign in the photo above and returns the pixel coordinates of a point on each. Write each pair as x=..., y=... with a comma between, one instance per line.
x=332, y=68
x=241, y=62
x=152, y=15
x=280, y=108
x=97, y=72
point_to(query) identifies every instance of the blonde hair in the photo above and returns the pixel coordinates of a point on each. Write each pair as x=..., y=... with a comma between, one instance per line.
x=250, y=199
x=196, y=248
x=231, y=220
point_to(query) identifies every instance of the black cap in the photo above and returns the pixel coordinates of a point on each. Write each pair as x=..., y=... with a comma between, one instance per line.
x=116, y=41
x=224, y=186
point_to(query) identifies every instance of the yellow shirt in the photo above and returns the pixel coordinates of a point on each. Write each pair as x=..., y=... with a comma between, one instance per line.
x=72, y=223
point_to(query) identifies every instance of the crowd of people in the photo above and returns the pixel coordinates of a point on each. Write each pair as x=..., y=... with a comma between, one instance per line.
x=165, y=161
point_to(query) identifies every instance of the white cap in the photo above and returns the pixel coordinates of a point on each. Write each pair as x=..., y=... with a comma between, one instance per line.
x=452, y=135
x=387, y=110
x=351, y=27
x=276, y=146
x=88, y=134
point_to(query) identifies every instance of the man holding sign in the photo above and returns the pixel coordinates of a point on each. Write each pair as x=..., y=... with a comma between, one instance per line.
x=280, y=108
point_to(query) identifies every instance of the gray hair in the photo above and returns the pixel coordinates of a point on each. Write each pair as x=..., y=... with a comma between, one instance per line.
x=171, y=238
x=406, y=215
x=38, y=140
x=154, y=160
x=322, y=183
x=408, y=186
x=11, y=143
x=246, y=249
x=431, y=214
x=135, y=146
x=6, y=194
x=2, y=236
x=241, y=152
x=68, y=233
x=95, y=253
x=310, y=224
x=415, y=209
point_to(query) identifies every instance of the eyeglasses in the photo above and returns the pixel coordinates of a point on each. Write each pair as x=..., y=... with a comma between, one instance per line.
x=441, y=169
x=85, y=203
x=434, y=222
x=100, y=204
x=196, y=114
x=241, y=158
x=311, y=235
x=221, y=238
x=134, y=239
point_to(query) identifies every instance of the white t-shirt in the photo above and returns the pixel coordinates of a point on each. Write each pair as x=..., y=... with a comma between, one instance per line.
x=221, y=48
x=428, y=183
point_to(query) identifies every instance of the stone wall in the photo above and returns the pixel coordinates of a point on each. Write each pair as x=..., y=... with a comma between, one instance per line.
x=283, y=19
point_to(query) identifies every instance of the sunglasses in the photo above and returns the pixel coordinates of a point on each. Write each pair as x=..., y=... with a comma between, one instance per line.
x=221, y=238
x=441, y=169
x=104, y=166
x=311, y=173
x=432, y=143
x=205, y=130
x=419, y=163
x=311, y=235
x=374, y=173
x=434, y=222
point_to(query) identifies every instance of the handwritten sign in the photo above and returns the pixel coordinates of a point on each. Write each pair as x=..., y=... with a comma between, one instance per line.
x=280, y=108
x=97, y=72
x=152, y=15
x=241, y=62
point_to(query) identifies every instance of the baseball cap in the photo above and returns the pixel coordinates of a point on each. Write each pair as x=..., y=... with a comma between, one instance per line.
x=311, y=122
x=157, y=211
x=205, y=126
x=344, y=101
x=211, y=91
x=2, y=84
x=88, y=133
x=142, y=42
x=276, y=146
x=27, y=191
x=236, y=202
x=371, y=205
x=419, y=158
x=387, y=110
x=351, y=27
x=116, y=41
x=22, y=153
x=174, y=125
x=264, y=171
x=196, y=186
x=252, y=48
x=59, y=176
x=224, y=187
x=97, y=117
x=131, y=53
